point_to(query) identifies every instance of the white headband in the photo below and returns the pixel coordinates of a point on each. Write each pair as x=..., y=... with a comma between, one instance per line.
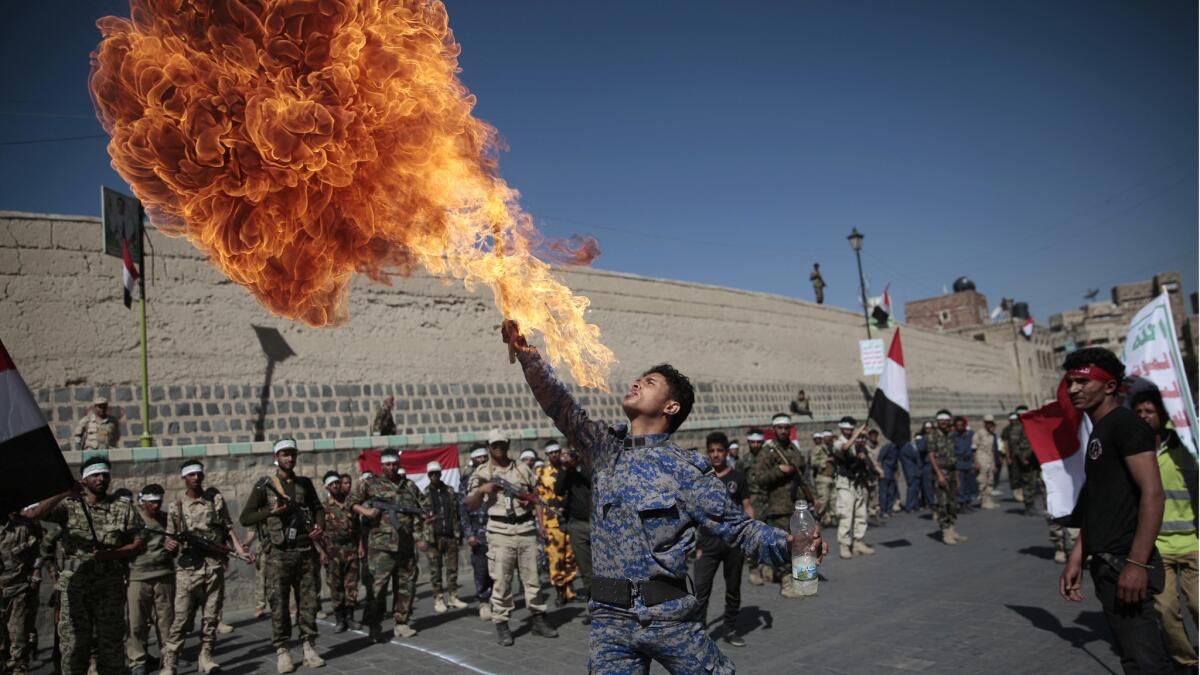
x=389, y=456
x=754, y=437
x=845, y=425
x=332, y=479
x=98, y=467
x=189, y=469
x=826, y=434
x=943, y=416
x=553, y=447
x=529, y=454
x=780, y=419
x=479, y=452
x=150, y=497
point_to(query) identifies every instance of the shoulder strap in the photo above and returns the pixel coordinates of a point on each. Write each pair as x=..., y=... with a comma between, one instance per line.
x=181, y=522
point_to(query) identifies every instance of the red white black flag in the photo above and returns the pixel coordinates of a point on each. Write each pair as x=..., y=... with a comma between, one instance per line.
x=889, y=407
x=1027, y=328
x=883, y=308
x=32, y=467
x=129, y=273
x=1057, y=432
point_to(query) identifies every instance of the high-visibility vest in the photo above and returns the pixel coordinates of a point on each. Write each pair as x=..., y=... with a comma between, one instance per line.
x=1176, y=465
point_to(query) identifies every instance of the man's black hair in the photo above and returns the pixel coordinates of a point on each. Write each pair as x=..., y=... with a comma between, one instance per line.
x=1096, y=356
x=848, y=420
x=681, y=392
x=123, y=492
x=331, y=474
x=1154, y=397
x=153, y=489
x=717, y=437
x=478, y=446
x=95, y=459
x=190, y=462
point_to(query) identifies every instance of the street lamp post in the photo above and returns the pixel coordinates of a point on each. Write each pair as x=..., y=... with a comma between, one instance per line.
x=856, y=240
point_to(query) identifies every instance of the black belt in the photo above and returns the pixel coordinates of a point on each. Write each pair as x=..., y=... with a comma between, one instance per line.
x=512, y=520
x=621, y=592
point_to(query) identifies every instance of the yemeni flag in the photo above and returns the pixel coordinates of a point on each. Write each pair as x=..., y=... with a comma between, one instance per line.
x=129, y=272
x=1057, y=431
x=415, y=462
x=1027, y=328
x=889, y=408
x=32, y=467
x=883, y=308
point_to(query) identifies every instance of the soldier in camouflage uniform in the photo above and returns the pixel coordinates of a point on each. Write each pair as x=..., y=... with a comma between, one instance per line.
x=384, y=424
x=20, y=549
x=199, y=574
x=474, y=525
x=942, y=458
x=151, y=595
x=97, y=430
x=826, y=480
x=1026, y=461
x=1014, y=472
x=754, y=444
x=98, y=534
x=391, y=542
x=780, y=473
x=558, y=543
x=292, y=563
x=341, y=563
x=650, y=497
x=445, y=532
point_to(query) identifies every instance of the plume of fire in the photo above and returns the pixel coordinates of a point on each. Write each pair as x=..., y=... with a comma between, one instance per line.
x=298, y=142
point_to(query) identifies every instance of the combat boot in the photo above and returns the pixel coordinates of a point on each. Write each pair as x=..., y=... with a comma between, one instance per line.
x=485, y=610
x=283, y=661
x=206, y=663
x=224, y=628
x=755, y=576
x=375, y=633
x=860, y=547
x=439, y=604
x=948, y=536
x=1060, y=557
x=167, y=664
x=403, y=630
x=788, y=589
x=454, y=601
x=768, y=574
x=504, y=635
x=733, y=638
x=1018, y=495
x=341, y=624
x=311, y=658
x=958, y=537
x=844, y=552
x=540, y=628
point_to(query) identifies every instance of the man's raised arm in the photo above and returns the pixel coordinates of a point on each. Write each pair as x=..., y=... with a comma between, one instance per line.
x=551, y=393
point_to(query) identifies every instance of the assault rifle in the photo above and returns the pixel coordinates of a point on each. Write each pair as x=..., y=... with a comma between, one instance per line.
x=299, y=514
x=199, y=543
x=526, y=497
x=394, y=511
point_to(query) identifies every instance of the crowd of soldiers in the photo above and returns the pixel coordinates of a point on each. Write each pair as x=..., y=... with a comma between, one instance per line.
x=124, y=565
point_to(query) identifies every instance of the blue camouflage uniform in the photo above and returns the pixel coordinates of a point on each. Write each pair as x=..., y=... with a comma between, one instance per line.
x=649, y=497
x=964, y=463
x=926, y=472
x=474, y=524
x=888, y=492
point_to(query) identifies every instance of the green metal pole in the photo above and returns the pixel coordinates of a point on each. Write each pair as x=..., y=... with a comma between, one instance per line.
x=147, y=441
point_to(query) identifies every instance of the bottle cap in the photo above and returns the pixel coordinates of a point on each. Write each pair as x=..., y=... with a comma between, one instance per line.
x=801, y=504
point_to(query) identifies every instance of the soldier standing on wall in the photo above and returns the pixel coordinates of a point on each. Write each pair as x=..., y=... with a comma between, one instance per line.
x=199, y=574
x=341, y=563
x=97, y=430
x=99, y=532
x=384, y=424
x=818, y=283
x=391, y=543
x=293, y=519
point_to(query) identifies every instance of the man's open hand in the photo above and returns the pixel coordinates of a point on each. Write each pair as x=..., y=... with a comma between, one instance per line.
x=510, y=332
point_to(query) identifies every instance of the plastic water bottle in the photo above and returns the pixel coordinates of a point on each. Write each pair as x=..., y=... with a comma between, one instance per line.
x=804, y=561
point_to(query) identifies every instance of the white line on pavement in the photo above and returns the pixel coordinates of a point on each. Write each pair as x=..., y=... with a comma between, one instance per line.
x=425, y=650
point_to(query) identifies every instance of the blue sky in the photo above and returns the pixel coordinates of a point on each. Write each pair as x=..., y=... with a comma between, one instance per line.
x=1040, y=148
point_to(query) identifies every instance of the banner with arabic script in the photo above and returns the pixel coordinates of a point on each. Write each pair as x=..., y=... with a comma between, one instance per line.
x=1152, y=352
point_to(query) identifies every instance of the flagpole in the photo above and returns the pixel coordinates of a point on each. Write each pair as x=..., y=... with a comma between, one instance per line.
x=146, y=439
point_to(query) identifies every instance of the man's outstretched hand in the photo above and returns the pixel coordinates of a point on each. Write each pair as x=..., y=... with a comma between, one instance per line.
x=510, y=332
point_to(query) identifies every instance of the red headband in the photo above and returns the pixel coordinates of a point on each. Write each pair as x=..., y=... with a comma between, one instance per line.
x=1092, y=373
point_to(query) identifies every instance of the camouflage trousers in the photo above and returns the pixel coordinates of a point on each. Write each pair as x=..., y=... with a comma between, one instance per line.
x=14, y=627
x=827, y=495
x=945, y=511
x=625, y=645
x=341, y=575
x=383, y=565
x=1061, y=536
x=197, y=589
x=92, y=623
x=873, y=508
x=150, y=602
x=563, y=569
x=443, y=562
x=260, y=577
x=1031, y=480
x=292, y=571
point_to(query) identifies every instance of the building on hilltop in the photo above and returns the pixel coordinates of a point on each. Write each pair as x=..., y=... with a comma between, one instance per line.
x=963, y=308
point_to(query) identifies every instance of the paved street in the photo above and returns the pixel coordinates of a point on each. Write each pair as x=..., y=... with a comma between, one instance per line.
x=916, y=606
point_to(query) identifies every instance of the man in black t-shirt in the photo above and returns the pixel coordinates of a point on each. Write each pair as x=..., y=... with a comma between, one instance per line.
x=1119, y=513
x=711, y=552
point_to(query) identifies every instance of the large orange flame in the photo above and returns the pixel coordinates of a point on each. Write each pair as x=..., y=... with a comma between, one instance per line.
x=297, y=142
